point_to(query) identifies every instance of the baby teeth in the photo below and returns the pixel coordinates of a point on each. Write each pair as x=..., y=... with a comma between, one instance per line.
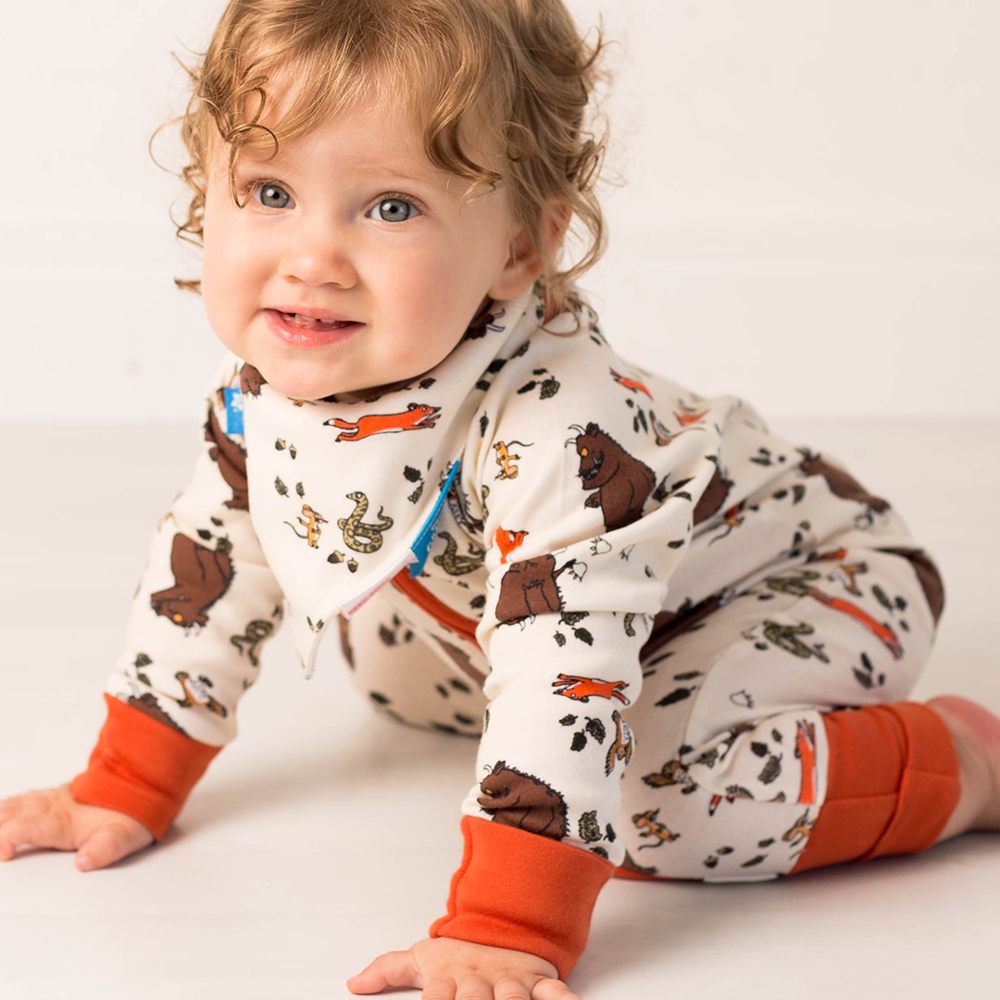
x=302, y=320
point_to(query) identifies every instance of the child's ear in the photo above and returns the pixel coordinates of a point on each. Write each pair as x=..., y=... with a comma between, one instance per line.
x=522, y=269
x=525, y=262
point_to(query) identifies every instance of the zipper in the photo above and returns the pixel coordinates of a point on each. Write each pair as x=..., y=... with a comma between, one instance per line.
x=435, y=607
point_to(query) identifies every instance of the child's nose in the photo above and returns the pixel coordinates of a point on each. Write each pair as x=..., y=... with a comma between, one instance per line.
x=319, y=259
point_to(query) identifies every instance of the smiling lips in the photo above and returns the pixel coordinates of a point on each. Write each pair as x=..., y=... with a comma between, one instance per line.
x=309, y=329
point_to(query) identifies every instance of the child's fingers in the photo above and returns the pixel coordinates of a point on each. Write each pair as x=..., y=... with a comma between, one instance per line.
x=8, y=847
x=445, y=989
x=32, y=830
x=509, y=988
x=394, y=968
x=110, y=843
x=552, y=989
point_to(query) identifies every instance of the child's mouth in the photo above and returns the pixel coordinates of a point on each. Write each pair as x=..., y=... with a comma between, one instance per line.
x=307, y=331
x=310, y=323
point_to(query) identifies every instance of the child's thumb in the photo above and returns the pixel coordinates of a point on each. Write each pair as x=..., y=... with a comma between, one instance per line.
x=108, y=844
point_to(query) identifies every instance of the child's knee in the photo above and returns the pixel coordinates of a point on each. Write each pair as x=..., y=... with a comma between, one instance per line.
x=739, y=806
x=704, y=835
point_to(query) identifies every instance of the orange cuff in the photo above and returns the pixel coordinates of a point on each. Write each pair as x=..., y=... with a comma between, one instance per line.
x=141, y=767
x=892, y=783
x=523, y=891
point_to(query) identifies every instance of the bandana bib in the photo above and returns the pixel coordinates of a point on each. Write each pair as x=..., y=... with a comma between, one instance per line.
x=345, y=494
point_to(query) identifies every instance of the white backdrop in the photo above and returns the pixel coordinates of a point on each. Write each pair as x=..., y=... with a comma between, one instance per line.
x=810, y=215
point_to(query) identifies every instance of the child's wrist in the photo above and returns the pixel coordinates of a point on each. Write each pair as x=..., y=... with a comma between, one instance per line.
x=523, y=892
x=141, y=767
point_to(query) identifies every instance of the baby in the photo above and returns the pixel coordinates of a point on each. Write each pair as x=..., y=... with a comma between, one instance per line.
x=420, y=440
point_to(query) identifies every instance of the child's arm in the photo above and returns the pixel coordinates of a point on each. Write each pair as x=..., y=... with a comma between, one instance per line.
x=204, y=606
x=575, y=578
x=206, y=603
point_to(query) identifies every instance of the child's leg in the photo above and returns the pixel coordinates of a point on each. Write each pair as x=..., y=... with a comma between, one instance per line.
x=893, y=782
x=905, y=776
x=750, y=762
x=406, y=674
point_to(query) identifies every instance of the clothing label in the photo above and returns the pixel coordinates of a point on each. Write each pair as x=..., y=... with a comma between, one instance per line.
x=234, y=410
x=416, y=555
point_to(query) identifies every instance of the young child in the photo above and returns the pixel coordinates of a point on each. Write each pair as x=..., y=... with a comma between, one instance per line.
x=421, y=441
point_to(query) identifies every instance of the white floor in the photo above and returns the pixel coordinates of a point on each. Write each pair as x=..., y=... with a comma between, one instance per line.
x=326, y=835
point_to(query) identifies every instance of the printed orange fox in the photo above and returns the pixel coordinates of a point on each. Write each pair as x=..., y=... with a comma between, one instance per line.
x=585, y=688
x=880, y=630
x=630, y=383
x=805, y=750
x=507, y=541
x=415, y=417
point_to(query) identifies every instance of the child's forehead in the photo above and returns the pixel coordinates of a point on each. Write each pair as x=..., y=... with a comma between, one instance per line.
x=366, y=138
x=379, y=133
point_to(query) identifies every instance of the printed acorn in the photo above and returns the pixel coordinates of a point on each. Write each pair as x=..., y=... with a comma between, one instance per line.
x=281, y=444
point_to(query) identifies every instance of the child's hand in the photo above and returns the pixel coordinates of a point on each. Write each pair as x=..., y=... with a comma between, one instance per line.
x=51, y=817
x=447, y=969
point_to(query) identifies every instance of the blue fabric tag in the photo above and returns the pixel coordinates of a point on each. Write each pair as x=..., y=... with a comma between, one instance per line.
x=234, y=410
x=422, y=543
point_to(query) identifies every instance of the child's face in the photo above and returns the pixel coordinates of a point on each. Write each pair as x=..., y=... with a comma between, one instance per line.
x=352, y=222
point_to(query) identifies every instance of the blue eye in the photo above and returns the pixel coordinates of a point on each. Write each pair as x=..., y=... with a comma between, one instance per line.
x=393, y=208
x=272, y=195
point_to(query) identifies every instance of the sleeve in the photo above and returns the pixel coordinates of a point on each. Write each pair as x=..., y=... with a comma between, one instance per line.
x=205, y=604
x=582, y=533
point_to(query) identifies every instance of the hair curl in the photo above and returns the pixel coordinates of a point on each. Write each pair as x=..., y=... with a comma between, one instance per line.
x=519, y=66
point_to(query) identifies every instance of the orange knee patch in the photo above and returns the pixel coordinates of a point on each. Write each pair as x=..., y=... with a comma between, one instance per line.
x=893, y=781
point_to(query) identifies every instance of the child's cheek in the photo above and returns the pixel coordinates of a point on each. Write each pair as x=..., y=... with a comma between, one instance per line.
x=228, y=274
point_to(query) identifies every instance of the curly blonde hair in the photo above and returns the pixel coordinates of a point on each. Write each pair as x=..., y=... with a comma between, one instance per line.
x=520, y=65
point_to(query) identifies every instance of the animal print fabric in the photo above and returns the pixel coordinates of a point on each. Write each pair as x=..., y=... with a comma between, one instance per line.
x=729, y=768
x=609, y=530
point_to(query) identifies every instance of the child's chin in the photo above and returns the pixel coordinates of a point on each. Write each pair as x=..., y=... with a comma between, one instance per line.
x=306, y=389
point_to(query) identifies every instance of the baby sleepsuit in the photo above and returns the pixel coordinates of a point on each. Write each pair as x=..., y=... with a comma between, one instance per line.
x=512, y=546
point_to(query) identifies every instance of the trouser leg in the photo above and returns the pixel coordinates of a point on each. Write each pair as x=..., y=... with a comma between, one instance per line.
x=404, y=674
x=892, y=783
x=789, y=697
